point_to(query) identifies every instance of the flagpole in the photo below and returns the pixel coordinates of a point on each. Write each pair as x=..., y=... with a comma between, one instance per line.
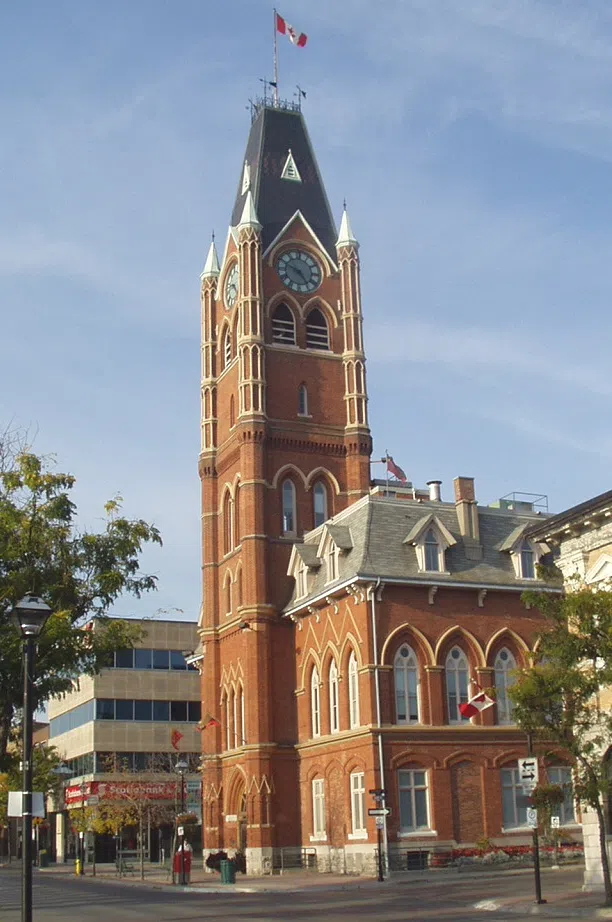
x=387, y=472
x=275, y=64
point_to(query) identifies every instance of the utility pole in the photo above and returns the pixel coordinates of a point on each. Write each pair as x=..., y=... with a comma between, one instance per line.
x=535, y=841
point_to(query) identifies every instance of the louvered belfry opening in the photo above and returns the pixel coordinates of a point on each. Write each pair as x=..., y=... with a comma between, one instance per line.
x=317, y=333
x=283, y=326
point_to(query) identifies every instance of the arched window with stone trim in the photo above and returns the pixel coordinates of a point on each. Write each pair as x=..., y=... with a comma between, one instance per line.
x=228, y=523
x=302, y=400
x=317, y=330
x=456, y=673
x=289, y=513
x=353, y=685
x=236, y=516
x=406, y=682
x=319, y=503
x=227, y=593
x=315, y=702
x=503, y=667
x=239, y=587
x=334, y=710
x=227, y=347
x=283, y=325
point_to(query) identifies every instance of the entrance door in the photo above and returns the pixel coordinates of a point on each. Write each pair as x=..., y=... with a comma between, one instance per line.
x=242, y=825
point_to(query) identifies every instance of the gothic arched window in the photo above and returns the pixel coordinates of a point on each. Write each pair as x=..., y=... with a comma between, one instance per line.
x=289, y=508
x=302, y=400
x=227, y=589
x=315, y=702
x=239, y=587
x=456, y=683
x=228, y=524
x=406, y=680
x=227, y=348
x=353, y=692
x=317, y=332
x=319, y=503
x=283, y=325
x=503, y=666
x=334, y=716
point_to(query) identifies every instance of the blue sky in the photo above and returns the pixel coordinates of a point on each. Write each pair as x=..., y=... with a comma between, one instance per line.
x=473, y=143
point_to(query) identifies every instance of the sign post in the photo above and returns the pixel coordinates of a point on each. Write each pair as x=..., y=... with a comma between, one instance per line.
x=379, y=812
x=529, y=774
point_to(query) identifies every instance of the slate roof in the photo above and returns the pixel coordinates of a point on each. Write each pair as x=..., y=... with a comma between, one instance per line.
x=273, y=133
x=379, y=526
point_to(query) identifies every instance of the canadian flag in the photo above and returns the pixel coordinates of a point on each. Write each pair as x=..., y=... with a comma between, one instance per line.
x=297, y=38
x=475, y=705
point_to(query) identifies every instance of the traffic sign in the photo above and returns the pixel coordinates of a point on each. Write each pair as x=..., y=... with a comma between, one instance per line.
x=93, y=800
x=532, y=816
x=555, y=822
x=380, y=823
x=528, y=770
x=379, y=811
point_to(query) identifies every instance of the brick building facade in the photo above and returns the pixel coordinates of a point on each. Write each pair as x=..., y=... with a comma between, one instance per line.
x=342, y=621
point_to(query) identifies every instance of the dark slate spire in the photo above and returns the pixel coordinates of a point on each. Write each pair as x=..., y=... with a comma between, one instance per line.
x=281, y=171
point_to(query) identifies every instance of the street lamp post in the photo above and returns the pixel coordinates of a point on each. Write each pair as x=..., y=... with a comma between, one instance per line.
x=29, y=617
x=182, y=768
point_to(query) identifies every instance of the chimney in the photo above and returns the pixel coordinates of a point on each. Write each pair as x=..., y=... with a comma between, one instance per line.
x=467, y=516
x=434, y=491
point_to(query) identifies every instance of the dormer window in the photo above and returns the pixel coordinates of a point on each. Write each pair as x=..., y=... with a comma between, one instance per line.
x=430, y=539
x=527, y=561
x=524, y=553
x=332, y=562
x=431, y=550
x=301, y=580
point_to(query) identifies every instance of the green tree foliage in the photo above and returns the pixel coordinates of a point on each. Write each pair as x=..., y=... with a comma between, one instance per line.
x=558, y=698
x=80, y=574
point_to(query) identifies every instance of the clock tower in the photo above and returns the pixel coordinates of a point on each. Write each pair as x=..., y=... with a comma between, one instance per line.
x=285, y=445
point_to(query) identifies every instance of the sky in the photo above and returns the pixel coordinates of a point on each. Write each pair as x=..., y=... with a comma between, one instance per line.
x=472, y=142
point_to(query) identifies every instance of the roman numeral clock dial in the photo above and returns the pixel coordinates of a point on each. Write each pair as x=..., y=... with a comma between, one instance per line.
x=298, y=271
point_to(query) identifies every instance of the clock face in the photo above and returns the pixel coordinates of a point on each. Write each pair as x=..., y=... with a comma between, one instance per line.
x=231, y=286
x=298, y=271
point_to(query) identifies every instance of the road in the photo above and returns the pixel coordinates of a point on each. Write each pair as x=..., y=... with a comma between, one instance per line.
x=68, y=899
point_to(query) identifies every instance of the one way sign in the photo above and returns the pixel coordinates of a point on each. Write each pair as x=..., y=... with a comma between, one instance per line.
x=528, y=771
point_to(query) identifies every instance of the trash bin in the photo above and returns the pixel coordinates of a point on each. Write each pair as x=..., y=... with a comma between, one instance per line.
x=182, y=864
x=228, y=872
x=43, y=858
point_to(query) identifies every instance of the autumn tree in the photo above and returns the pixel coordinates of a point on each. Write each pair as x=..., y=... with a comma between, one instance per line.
x=80, y=574
x=561, y=697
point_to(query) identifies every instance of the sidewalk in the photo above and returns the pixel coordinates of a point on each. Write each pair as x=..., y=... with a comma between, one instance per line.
x=206, y=881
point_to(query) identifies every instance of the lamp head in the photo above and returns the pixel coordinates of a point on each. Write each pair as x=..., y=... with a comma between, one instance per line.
x=181, y=767
x=30, y=615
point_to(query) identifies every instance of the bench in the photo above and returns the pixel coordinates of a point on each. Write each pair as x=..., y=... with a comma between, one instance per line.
x=124, y=867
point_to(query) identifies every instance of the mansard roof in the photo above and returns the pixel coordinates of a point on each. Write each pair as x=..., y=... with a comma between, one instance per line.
x=378, y=527
x=274, y=133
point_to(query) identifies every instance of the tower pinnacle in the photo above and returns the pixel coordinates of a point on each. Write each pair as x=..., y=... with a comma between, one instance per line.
x=211, y=266
x=346, y=236
x=249, y=215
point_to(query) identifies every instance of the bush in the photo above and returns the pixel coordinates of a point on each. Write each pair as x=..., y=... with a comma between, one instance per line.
x=214, y=860
x=239, y=860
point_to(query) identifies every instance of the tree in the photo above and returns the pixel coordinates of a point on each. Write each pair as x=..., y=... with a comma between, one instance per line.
x=80, y=574
x=558, y=698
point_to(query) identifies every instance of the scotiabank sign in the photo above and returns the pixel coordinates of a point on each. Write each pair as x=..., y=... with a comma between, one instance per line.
x=120, y=790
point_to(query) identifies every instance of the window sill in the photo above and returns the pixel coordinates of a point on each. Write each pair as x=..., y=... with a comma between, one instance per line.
x=355, y=836
x=305, y=415
x=318, y=838
x=513, y=829
x=418, y=834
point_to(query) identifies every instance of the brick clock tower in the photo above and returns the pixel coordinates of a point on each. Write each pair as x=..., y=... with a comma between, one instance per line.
x=285, y=445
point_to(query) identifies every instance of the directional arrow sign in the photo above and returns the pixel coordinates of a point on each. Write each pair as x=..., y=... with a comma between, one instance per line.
x=379, y=811
x=528, y=770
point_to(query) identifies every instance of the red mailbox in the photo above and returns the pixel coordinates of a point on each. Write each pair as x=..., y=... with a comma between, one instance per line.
x=182, y=863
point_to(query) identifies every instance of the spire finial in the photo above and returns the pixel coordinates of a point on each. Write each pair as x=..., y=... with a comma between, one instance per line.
x=211, y=266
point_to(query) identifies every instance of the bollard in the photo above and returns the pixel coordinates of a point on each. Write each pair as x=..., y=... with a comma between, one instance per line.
x=77, y=866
